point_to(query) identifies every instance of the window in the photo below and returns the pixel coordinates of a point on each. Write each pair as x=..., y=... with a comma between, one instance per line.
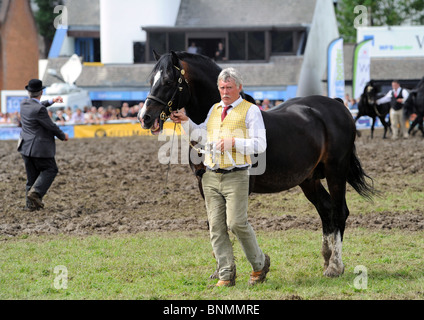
x=158, y=43
x=139, y=52
x=88, y=49
x=281, y=42
x=256, y=45
x=176, y=41
x=237, y=46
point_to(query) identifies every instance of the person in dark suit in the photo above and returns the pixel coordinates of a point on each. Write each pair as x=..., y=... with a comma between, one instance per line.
x=37, y=144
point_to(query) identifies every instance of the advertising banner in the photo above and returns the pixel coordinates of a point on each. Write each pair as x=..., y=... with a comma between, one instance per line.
x=393, y=41
x=119, y=130
x=361, y=67
x=335, y=69
x=13, y=133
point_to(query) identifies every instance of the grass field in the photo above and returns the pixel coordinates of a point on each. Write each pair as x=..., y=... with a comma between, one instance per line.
x=153, y=266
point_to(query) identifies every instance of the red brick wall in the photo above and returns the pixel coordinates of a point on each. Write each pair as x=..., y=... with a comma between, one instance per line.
x=19, y=44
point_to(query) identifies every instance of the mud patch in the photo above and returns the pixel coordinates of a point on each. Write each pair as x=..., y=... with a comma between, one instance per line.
x=116, y=185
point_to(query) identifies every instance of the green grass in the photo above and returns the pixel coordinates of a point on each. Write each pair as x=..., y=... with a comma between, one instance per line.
x=151, y=266
x=404, y=198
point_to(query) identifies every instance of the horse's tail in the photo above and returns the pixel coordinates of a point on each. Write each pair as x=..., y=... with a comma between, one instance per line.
x=357, y=178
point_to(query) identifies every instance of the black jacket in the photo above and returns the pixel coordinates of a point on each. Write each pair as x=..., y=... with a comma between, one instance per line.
x=38, y=130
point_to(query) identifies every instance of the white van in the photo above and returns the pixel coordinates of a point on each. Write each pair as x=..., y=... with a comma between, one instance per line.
x=73, y=97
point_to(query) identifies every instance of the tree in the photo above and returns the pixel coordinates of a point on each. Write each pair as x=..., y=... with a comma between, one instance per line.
x=44, y=18
x=378, y=13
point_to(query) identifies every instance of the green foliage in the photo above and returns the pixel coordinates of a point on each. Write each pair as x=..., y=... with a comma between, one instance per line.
x=45, y=16
x=380, y=13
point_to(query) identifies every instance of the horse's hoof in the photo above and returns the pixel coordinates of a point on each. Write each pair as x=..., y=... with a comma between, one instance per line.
x=334, y=271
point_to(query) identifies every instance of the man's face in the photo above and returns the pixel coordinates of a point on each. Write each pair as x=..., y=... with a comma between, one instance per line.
x=229, y=91
x=395, y=85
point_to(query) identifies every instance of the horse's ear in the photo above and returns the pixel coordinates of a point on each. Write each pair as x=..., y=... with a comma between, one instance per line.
x=156, y=55
x=175, y=59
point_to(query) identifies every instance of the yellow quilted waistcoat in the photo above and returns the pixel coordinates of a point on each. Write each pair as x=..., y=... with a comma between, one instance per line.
x=234, y=125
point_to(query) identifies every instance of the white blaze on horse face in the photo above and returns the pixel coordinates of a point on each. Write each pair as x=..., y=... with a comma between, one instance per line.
x=141, y=113
x=157, y=77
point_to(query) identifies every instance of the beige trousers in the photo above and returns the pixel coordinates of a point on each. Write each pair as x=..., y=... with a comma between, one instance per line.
x=226, y=197
x=396, y=122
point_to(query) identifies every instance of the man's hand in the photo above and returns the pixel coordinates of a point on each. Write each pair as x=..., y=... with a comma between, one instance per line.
x=66, y=137
x=57, y=99
x=179, y=116
x=225, y=144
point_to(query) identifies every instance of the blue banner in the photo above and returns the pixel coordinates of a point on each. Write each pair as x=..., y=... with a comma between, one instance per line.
x=12, y=133
x=13, y=103
x=118, y=95
x=288, y=93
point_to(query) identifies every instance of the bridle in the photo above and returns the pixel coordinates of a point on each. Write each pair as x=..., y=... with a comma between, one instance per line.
x=169, y=106
x=370, y=88
x=168, y=109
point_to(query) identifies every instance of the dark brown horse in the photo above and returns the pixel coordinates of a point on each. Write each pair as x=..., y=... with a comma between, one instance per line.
x=308, y=139
x=415, y=104
x=367, y=106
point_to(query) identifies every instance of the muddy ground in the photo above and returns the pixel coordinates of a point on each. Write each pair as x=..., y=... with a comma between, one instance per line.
x=116, y=185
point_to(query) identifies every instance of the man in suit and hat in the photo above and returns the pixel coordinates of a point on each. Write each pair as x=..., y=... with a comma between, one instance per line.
x=37, y=144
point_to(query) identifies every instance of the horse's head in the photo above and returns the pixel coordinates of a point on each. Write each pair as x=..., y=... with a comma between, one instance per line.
x=169, y=91
x=371, y=93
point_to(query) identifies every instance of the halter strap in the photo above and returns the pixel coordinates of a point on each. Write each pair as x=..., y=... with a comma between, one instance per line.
x=165, y=115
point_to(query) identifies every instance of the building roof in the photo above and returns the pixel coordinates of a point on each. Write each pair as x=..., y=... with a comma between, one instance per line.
x=83, y=13
x=206, y=13
x=106, y=76
x=279, y=71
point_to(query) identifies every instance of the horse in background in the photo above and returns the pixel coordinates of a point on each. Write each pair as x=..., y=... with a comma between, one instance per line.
x=415, y=105
x=367, y=106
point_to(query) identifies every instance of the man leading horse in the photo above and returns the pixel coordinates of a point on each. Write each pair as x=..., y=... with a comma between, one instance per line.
x=235, y=129
x=397, y=97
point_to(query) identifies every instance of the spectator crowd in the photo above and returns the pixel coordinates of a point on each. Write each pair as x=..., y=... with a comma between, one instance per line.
x=88, y=115
x=100, y=115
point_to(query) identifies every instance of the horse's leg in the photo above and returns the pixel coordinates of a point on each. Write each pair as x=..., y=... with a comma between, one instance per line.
x=385, y=125
x=417, y=121
x=420, y=124
x=336, y=180
x=319, y=197
x=372, y=127
x=412, y=126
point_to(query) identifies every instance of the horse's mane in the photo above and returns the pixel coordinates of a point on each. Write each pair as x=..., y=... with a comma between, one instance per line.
x=200, y=73
x=200, y=61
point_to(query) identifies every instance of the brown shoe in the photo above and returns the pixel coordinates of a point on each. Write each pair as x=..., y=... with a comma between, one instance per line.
x=35, y=199
x=260, y=276
x=228, y=283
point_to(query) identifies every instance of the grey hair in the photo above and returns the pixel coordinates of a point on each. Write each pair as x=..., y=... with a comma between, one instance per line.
x=230, y=73
x=35, y=94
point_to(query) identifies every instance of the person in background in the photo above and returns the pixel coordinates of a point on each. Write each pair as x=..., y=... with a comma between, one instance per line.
x=397, y=97
x=192, y=48
x=37, y=144
x=77, y=117
x=220, y=52
x=266, y=105
x=60, y=118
